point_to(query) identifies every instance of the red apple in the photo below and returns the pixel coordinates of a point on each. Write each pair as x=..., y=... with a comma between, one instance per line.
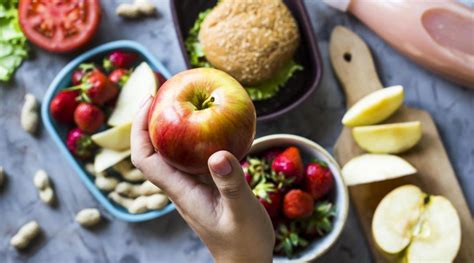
x=197, y=113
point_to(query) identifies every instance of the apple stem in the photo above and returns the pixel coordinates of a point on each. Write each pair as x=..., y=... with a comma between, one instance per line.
x=208, y=102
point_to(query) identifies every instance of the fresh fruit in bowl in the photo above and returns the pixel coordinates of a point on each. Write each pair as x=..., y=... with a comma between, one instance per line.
x=301, y=188
x=100, y=105
x=197, y=113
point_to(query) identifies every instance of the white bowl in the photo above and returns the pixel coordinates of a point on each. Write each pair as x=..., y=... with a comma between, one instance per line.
x=339, y=195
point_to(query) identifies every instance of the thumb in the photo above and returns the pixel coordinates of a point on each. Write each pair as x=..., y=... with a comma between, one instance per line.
x=229, y=178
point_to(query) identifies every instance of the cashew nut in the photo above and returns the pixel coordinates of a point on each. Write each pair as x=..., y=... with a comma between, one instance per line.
x=140, y=204
x=25, y=234
x=41, y=182
x=137, y=9
x=135, y=190
x=88, y=217
x=29, y=114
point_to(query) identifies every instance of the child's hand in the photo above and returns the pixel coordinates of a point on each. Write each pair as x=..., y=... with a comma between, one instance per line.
x=220, y=208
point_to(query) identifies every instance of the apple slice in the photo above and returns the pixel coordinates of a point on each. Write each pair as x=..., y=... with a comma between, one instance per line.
x=395, y=217
x=369, y=168
x=140, y=85
x=374, y=107
x=107, y=158
x=439, y=235
x=116, y=138
x=388, y=138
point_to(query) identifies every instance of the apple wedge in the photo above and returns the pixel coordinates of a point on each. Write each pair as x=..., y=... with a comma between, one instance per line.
x=388, y=138
x=428, y=227
x=140, y=85
x=369, y=168
x=116, y=138
x=395, y=217
x=439, y=235
x=107, y=158
x=374, y=107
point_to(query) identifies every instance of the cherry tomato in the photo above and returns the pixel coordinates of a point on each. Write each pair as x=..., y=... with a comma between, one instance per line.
x=59, y=25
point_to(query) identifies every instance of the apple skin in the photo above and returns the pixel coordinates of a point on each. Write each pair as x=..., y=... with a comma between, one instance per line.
x=185, y=135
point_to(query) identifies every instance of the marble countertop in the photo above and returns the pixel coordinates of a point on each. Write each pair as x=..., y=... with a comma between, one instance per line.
x=169, y=239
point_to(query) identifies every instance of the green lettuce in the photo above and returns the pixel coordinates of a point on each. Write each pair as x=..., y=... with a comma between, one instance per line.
x=263, y=91
x=13, y=46
x=197, y=59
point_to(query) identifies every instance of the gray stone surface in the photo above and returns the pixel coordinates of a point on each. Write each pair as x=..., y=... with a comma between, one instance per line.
x=169, y=239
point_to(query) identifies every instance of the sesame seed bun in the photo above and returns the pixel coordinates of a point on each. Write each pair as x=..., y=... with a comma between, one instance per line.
x=249, y=39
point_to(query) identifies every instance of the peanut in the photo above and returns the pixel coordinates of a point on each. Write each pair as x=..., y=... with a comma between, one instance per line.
x=29, y=114
x=140, y=204
x=134, y=190
x=25, y=235
x=2, y=176
x=42, y=183
x=137, y=9
x=88, y=217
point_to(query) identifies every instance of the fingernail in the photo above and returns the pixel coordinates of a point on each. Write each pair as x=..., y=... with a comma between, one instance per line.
x=144, y=101
x=220, y=165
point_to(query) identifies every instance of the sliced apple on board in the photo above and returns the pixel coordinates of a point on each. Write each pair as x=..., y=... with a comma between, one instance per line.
x=439, y=233
x=427, y=228
x=375, y=107
x=116, y=138
x=369, y=168
x=140, y=85
x=395, y=216
x=388, y=138
x=107, y=158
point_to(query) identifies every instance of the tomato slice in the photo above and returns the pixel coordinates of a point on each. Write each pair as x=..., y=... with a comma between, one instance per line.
x=59, y=25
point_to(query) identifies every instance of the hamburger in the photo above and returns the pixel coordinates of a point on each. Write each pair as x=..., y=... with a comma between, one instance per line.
x=252, y=40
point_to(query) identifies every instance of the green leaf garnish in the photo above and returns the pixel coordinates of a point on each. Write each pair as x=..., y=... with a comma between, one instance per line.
x=13, y=46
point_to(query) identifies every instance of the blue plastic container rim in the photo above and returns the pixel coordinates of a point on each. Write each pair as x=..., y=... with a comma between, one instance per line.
x=59, y=83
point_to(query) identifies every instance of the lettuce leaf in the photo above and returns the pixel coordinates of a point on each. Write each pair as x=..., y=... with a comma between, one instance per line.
x=263, y=91
x=197, y=59
x=13, y=46
x=270, y=87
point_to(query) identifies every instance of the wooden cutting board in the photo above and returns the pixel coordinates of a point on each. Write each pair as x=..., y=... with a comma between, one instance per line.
x=354, y=67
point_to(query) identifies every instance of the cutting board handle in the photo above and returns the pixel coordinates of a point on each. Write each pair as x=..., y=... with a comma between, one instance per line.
x=353, y=64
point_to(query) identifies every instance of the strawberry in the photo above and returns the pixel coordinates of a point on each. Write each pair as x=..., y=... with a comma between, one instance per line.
x=297, y=204
x=271, y=155
x=320, y=221
x=98, y=88
x=259, y=170
x=119, y=76
x=63, y=105
x=288, y=239
x=80, y=144
x=160, y=79
x=289, y=163
x=269, y=197
x=78, y=74
x=245, y=167
x=88, y=117
x=119, y=59
x=318, y=180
